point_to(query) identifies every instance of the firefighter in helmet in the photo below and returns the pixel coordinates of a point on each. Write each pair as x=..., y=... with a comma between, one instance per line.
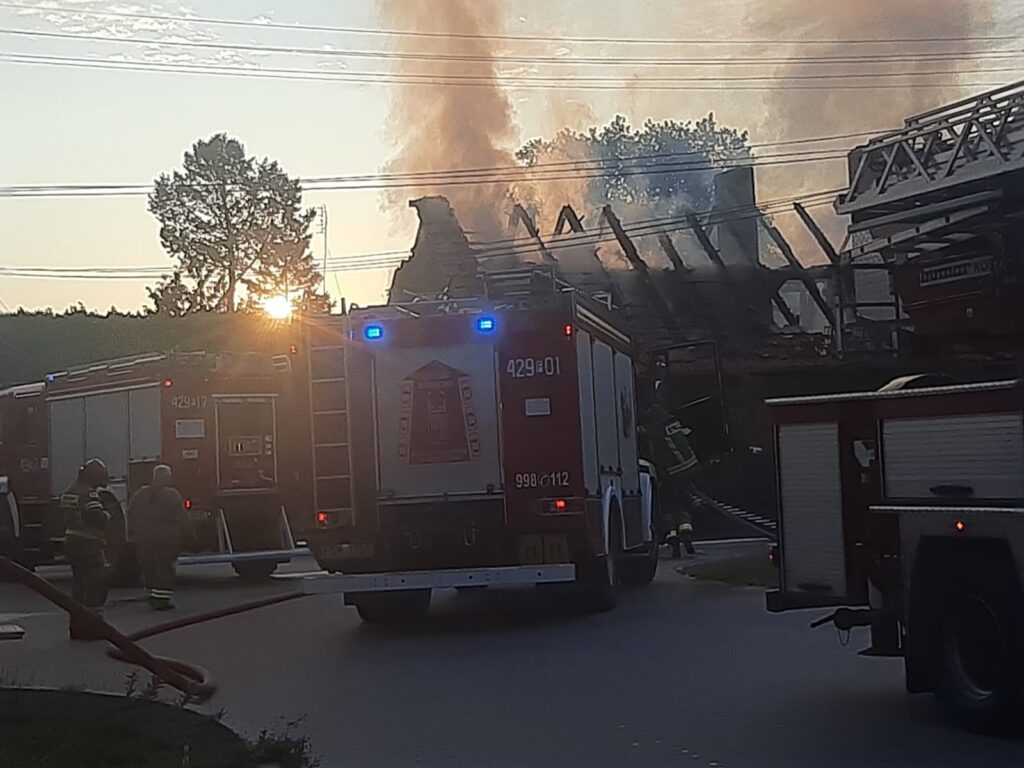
x=160, y=526
x=665, y=445
x=85, y=526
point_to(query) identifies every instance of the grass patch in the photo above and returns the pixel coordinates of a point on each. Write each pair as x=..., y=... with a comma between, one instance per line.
x=72, y=729
x=749, y=570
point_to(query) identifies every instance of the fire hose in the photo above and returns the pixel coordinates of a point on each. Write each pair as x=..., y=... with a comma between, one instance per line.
x=190, y=679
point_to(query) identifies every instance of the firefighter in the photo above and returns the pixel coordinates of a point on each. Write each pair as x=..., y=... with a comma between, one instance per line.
x=664, y=443
x=160, y=526
x=85, y=524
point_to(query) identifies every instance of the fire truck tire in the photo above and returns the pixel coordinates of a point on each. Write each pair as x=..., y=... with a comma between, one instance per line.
x=979, y=664
x=601, y=576
x=640, y=570
x=393, y=608
x=253, y=570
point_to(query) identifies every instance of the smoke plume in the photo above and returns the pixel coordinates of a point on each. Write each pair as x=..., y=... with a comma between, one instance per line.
x=442, y=126
x=798, y=113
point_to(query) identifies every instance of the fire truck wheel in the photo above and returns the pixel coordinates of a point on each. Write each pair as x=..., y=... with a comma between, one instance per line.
x=253, y=570
x=601, y=576
x=640, y=570
x=393, y=608
x=979, y=666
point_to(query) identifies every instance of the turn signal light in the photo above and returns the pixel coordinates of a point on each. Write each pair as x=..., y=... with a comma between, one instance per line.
x=960, y=526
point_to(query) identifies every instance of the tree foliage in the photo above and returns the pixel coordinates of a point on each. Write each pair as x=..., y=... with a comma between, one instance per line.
x=662, y=165
x=237, y=232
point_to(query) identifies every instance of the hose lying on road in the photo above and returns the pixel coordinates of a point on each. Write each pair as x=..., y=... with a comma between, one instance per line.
x=190, y=679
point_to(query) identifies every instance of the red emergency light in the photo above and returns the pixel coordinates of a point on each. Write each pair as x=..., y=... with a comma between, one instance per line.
x=321, y=518
x=567, y=330
x=561, y=505
x=168, y=383
x=188, y=503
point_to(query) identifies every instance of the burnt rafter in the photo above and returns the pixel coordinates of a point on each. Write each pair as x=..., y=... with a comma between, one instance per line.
x=519, y=215
x=633, y=257
x=956, y=144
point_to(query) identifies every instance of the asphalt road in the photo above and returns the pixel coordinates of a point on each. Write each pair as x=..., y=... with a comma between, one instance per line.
x=681, y=673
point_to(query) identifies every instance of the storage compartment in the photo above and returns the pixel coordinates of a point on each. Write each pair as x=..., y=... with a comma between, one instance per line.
x=246, y=443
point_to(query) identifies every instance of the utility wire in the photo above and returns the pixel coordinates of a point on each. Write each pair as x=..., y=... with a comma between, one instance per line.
x=312, y=185
x=553, y=83
x=493, y=59
x=559, y=39
x=522, y=171
x=639, y=228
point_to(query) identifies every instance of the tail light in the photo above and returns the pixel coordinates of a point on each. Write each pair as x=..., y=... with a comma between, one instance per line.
x=321, y=518
x=773, y=556
x=188, y=503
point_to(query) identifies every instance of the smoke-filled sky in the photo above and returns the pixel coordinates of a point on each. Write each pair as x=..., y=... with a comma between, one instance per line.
x=65, y=125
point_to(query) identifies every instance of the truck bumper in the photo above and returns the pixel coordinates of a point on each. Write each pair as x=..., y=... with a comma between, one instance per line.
x=513, y=575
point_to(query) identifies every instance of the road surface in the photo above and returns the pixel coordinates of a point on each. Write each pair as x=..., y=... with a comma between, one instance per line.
x=682, y=673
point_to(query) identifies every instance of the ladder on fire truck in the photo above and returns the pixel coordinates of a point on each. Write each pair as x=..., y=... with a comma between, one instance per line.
x=328, y=403
x=935, y=189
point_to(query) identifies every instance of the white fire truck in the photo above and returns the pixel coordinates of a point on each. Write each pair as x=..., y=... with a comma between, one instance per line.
x=476, y=442
x=904, y=509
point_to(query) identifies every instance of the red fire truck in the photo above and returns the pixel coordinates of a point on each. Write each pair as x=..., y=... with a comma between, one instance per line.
x=904, y=508
x=214, y=418
x=465, y=443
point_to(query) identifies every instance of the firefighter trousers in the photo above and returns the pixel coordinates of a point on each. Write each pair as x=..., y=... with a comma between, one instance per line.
x=157, y=561
x=89, y=578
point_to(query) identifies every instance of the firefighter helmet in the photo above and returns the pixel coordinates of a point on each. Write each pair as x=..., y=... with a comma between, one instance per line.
x=94, y=473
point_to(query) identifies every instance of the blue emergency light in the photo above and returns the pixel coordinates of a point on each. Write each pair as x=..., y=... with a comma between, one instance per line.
x=373, y=332
x=485, y=324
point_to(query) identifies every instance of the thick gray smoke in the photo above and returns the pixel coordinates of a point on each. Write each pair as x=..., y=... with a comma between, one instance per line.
x=798, y=113
x=440, y=126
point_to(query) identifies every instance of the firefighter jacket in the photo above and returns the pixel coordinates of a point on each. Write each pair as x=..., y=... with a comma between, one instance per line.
x=157, y=515
x=84, y=515
x=664, y=443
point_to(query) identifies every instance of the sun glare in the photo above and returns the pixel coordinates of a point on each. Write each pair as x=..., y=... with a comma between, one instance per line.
x=278, y=307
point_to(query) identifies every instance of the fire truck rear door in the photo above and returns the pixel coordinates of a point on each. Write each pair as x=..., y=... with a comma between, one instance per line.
x=246, y=442
x=437, y=417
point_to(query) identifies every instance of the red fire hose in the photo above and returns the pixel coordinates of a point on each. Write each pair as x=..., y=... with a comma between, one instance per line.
x=190, y=679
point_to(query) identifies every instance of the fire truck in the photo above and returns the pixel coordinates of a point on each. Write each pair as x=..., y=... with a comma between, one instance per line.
x=904, y=510
x=216, y=419
x=473, y=442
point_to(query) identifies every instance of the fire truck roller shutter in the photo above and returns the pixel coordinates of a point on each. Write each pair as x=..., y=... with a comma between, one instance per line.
x=106, y=437
x=67, y=441
x=606, y=404
x=981, y=454
x=588, y=423
x=144, y=437
x=813, y=554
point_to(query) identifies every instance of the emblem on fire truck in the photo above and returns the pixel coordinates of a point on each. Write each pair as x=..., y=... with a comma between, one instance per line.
x=438, y=423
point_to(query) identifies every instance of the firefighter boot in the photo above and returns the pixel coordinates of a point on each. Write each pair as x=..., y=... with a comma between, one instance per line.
x=672, y=539
x=686, y=534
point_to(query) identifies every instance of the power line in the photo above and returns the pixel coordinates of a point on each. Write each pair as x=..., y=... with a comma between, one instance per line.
x=617, y=164
x=314, y=185
x=552, y=83
x=492, y=59
x=386, y=259
x=559, y=39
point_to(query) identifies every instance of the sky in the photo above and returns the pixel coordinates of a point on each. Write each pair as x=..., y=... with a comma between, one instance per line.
x=66, y=125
